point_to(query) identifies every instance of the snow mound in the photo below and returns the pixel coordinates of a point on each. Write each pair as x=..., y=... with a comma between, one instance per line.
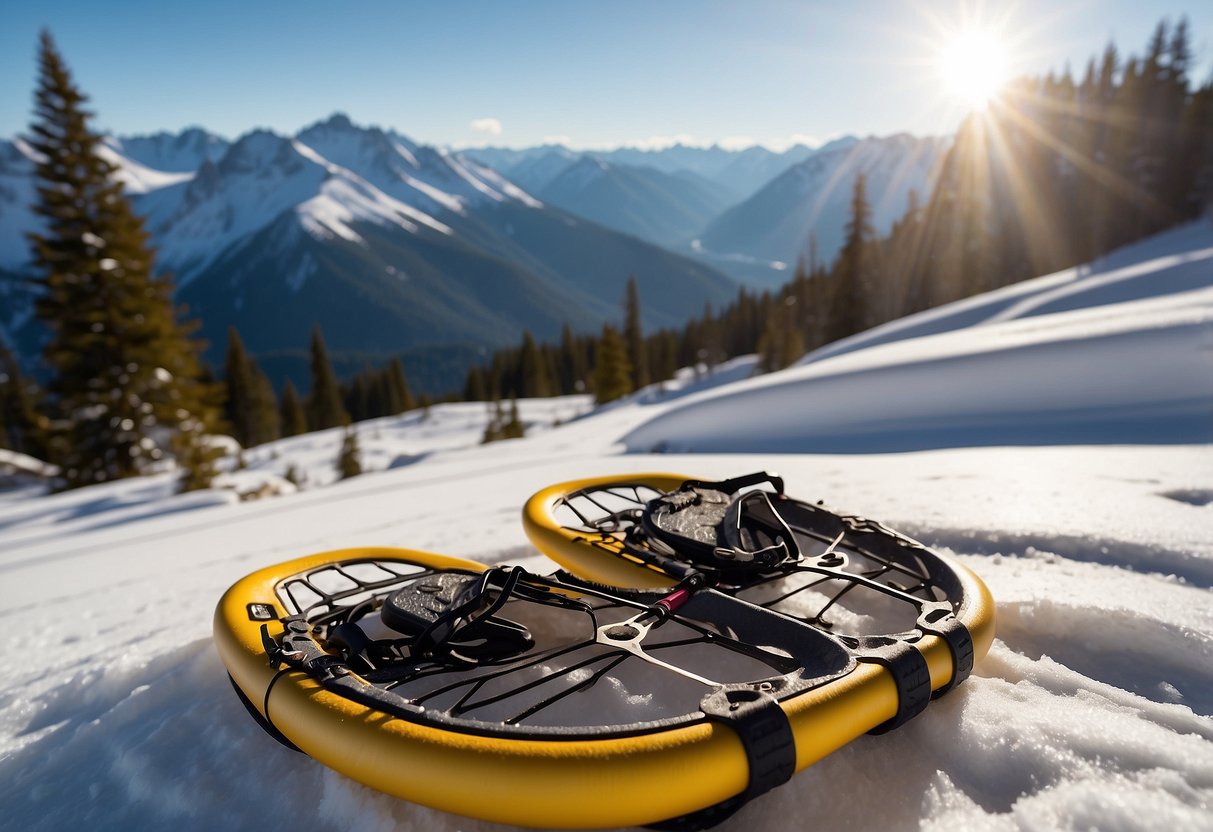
x=1122, y=356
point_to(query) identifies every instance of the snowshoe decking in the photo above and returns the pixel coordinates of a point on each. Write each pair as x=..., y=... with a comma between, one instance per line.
x=842, y=574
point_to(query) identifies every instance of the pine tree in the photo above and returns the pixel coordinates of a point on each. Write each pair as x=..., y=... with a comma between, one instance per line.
x=348, y=462
x=633, y=335
x=294, y=416
x=125, y=389
x=22, y=428
x=402, y=396
x=267, y=418
x=612, y=375
x=324, y=404
x=514, y=428
x=849, y=314
x=474, y=388
x=251, y=408
x=782, y=343
x=493, y=426
x=572, y=363
x=533, y=379
x=238, y=378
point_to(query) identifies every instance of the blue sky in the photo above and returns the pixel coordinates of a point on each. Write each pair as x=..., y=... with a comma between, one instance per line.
x=594, y=74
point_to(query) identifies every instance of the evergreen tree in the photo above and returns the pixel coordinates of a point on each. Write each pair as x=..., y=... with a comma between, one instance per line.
x=238, y=378
x=293, y=414
x=268, y=419
x=22, y=428
x=612, y=375
x=401, y=396
x=251, y=407
x=324, y=404
x=849, y=313
x=782, y=343
x=573, y=362
x=474, y=390
x=633, y=335
x=348, y=462
x=533, y=379
x=514, y=428
x=125, y=389
x=663, y=354
x=492, y=427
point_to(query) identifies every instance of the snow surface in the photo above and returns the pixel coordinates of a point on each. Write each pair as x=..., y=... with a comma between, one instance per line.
x=1086, y=356
x=1094, y=708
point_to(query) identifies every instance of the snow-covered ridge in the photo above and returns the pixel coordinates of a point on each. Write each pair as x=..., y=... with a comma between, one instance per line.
x=235, y=189
x=182, y=152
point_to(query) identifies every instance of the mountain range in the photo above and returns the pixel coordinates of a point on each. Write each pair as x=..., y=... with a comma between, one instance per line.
x=389, y=245
x=394, y=247
x=748, y=213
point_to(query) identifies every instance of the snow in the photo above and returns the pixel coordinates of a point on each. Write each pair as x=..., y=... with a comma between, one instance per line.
x=331, y=175
x=137, y=178
x=1093, y=709
x=1081, y=357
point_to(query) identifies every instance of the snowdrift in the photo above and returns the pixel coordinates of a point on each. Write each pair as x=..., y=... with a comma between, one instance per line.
x=1112, y=354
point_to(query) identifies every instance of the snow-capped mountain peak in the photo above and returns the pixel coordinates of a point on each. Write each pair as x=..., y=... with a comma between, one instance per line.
x=182, y=152
x=431, y=179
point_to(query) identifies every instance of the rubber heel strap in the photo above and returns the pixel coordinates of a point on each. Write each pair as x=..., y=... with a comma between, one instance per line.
x=910, y=672
x=753, y=713
x=939, y=620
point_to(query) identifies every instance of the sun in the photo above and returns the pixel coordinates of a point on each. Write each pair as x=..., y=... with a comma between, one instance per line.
x=973, y=66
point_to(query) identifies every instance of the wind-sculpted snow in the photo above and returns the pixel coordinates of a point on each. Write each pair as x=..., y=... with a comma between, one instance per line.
x=1124, y=356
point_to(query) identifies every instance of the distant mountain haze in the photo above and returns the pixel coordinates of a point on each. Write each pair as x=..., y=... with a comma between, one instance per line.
x=749, y=213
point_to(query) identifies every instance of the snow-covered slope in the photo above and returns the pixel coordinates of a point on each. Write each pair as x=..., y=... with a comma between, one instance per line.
x=1092, y=710
x=1087, y=356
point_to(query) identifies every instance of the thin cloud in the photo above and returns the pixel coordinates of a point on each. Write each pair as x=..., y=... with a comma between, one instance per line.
x=486, y=126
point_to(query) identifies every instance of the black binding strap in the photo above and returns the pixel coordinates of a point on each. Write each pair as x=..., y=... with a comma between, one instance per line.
x=717, y=527
x=909, y=670
x=264, y=721
x=938, y=620
x=753, y=712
